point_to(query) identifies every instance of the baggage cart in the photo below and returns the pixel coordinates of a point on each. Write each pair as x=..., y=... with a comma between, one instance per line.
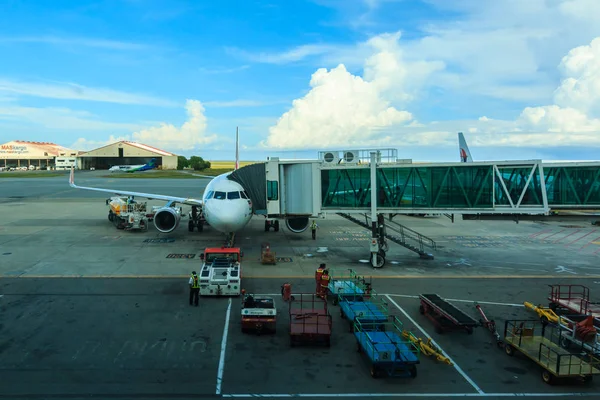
x=538, y=342
x=387, y=351
x=575, y=298
x=344, y=285
x=373, y=310
x=310, y=321
x=444, y=315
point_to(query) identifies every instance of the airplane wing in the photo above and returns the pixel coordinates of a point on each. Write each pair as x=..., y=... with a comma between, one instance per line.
x=182, y=200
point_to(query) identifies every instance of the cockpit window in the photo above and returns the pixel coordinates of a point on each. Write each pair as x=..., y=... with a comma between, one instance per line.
x=244, y=195
x=220, y=195
x=210, y=194
x=233, y=195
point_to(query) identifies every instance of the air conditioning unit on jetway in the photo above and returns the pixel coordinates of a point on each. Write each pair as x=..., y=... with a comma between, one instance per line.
x=351, y=156
x=330, y=157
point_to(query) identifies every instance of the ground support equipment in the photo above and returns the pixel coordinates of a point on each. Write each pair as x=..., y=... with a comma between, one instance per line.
x=310, y=321
x=196, y=219
x=581, y=334
x=347, y=285
x=444, y=315
x=368, y=311
x=575, y=298
x=427, y=348
x=387, y=352
x=259, y=314
x=266, y=255
x=538, y=342
x=490, y=325
x=546, y=314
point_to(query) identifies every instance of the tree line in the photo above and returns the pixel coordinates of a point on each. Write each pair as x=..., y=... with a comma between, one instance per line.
x=194, y=162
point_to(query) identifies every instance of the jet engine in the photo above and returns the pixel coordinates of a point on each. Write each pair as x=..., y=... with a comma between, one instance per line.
x=167, y=219
x=297, y=224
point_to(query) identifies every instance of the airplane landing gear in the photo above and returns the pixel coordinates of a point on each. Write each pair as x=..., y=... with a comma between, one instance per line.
x=196, y=220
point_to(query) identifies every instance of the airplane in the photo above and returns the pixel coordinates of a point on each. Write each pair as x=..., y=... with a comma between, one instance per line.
x=134, y=168
x=225, y=204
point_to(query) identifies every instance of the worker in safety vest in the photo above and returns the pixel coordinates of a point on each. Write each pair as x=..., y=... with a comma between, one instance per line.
x=194, y=288
x=313, y=229
x=318, y=275
x=324, y=284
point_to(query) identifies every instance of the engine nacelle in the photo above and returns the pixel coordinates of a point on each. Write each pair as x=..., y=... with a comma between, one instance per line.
x=167, y=219
x=297, y=224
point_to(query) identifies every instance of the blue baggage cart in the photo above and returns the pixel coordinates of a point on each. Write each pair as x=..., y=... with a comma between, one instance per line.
x=371, y=309
x=388, y=353
x=344, y=286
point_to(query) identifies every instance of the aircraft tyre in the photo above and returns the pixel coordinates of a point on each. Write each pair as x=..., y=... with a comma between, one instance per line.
x=200, y=226
x=276, y=226
x=378, y=260
x=191, y=226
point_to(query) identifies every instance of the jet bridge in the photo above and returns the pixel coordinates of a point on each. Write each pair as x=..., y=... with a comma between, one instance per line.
x=341, y=182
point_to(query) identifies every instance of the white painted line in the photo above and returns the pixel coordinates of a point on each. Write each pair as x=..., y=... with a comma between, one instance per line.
x=460, y=371
x=462, y=301
x=223, y=348
x=434, y=395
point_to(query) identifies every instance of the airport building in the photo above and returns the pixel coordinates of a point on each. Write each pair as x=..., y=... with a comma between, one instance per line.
x=126, y=153
x=20, y=154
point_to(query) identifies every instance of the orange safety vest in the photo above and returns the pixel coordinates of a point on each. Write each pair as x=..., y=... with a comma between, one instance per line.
x=325, y=280
x=319, y=274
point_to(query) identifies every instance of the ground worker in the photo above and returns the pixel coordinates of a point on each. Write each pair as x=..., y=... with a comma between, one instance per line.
x=324, y=284
x=313, y=229
x=194, y=288
x=318, y=275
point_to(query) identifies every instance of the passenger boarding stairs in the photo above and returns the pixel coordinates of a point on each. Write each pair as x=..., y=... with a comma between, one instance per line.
x=402, y=235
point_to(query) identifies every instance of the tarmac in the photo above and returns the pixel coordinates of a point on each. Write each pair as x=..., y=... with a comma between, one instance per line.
x=90, y=311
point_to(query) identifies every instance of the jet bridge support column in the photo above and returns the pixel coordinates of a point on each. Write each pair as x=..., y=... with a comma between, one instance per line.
x=377, y=256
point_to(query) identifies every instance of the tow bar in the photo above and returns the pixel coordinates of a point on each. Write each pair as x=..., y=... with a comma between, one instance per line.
x=490, y=325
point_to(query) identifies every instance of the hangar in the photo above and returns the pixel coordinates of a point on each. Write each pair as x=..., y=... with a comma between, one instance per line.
x=33, y=155
x=126, y=153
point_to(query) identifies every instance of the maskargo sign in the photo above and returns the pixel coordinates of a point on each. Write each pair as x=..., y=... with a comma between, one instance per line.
x=12, y=149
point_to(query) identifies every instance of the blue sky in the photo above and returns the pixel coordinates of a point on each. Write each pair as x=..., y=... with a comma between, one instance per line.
x=299, y=76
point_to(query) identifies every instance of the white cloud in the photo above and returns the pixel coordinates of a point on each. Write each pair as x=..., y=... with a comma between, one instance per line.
x=73, y=91
x=72, y=41
x=288, y=56
x=61, y=119
x=189, y=136
x=344, y=109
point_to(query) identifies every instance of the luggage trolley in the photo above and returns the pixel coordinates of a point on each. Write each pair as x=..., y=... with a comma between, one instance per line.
x=538, y=342
x=344, y=285
x=310, y=322
x=373, y=310
x=387, y=351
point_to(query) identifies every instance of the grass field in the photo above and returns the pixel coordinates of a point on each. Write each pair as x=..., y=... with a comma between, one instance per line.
x=32, y=174
x=170, y=174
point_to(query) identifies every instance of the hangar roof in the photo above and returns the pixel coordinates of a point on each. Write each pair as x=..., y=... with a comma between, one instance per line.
x=137, y=145
x=18, y=148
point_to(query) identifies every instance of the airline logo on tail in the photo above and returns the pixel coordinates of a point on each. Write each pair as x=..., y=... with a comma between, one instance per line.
x=465, y=154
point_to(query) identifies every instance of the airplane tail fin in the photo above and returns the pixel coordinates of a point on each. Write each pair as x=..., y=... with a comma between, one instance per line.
x=237, y=149
x=465, y=153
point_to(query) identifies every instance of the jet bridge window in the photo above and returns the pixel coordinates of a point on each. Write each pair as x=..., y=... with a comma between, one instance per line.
x=233, y=195
x=272, y=190
x=220, y=195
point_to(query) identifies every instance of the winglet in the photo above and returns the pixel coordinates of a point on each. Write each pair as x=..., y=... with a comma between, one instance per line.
x=237, y=148
x=72, y=178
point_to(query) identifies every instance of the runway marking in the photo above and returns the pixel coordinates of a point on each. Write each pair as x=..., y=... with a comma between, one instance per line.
x=434, y=395
x=408, y=296
x=223, y=348
x=458, y=369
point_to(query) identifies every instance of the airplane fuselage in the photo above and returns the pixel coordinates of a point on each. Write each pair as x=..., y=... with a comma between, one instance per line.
x=226, y=205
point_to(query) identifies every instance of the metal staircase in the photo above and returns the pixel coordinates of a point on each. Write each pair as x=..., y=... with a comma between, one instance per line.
x=402, y=235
